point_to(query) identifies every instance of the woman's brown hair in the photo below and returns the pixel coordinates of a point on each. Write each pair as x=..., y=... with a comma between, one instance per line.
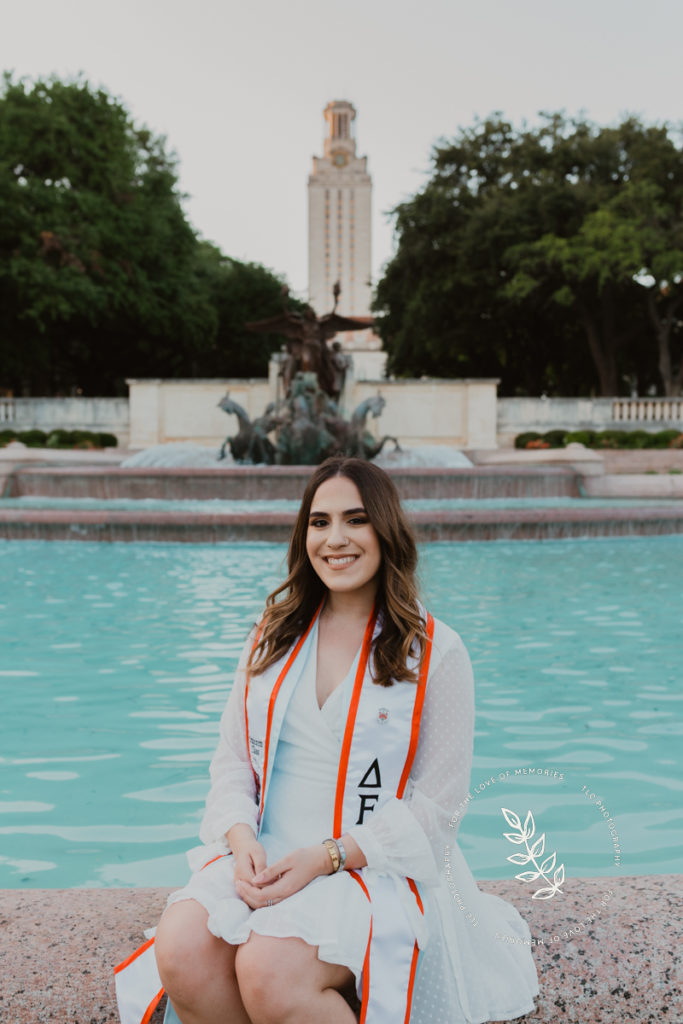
x=292, y=605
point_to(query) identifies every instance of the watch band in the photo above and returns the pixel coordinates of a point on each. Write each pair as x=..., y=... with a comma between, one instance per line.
x=333, y=850
x=342, y=854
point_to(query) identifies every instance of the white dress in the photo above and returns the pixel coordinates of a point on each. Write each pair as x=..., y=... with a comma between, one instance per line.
x=466, y=975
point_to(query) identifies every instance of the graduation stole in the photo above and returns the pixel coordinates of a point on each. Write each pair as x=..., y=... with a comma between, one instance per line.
x=377, y=752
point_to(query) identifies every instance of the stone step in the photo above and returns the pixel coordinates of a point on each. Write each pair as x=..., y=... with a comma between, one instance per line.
x=58, y=949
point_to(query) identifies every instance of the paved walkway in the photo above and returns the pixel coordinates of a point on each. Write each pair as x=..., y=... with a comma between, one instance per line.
x=58, y=948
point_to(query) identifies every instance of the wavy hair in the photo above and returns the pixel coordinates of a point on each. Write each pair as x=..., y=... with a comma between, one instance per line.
x=292, y=605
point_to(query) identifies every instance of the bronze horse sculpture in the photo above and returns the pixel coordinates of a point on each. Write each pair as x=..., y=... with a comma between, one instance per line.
x=309, y=429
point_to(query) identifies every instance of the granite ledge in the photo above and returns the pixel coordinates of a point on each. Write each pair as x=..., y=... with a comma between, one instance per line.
x=58, y=948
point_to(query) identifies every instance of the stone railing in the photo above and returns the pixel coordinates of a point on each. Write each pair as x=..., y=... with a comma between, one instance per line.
x=647, y=410
x=8, y=410
x=107, y=415
x=517, y=415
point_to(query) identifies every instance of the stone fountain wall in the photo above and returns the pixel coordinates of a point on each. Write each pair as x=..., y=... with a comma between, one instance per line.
x=461, y=413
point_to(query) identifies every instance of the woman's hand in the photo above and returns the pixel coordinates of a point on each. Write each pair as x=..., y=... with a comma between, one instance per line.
x=285, y=877
x=249, y=856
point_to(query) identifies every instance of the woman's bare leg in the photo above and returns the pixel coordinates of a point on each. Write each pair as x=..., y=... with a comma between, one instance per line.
x=282, y=981
x=196, y=968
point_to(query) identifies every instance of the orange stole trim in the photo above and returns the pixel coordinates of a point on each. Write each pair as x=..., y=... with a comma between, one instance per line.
x=417, y=708
x=359, y=879
x=416, y=953
x=350, y=723
x=411, y=983
x=134, y=955
x=416, y=893
x=366, y=980
x=152, y=1007
x=246, y=716
x=271, y=703
x=213, y=860
x=366, y=960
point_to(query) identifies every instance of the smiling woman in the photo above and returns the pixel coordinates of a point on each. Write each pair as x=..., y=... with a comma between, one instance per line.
x=321, y=885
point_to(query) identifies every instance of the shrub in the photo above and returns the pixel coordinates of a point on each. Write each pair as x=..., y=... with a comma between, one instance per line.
x=59, y=439
x=608, y=439
x=663, y=438
x=555, y=438
x=32, y=438
x=634, y=439
x=586, y=437
x=522, y=440
x=104, y=440
x=628, y=439
x=85, y=439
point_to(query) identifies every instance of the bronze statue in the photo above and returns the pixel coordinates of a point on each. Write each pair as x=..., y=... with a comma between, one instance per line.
x=307, y=349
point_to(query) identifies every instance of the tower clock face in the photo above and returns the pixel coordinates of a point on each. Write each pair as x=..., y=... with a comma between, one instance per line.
x=340, y=159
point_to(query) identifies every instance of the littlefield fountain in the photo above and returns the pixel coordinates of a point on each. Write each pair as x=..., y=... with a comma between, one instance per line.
x=199, y=494
x=306, y=425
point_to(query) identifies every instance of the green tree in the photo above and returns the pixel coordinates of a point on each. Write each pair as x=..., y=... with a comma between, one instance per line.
x=529, y=248
x=96, y=255
x=101, y=275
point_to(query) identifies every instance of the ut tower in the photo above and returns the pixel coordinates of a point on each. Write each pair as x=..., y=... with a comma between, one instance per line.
x=339, y=195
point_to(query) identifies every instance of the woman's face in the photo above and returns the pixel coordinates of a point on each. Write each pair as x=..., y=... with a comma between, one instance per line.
x=341, y=543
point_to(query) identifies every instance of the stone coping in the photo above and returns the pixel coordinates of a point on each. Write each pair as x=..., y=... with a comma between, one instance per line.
x=58, y=949
x=628, y=485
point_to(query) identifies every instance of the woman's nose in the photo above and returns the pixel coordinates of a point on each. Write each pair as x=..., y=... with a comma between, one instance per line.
x=337, y=537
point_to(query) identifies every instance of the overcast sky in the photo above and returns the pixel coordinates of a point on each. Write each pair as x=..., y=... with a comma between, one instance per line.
x=238, y=87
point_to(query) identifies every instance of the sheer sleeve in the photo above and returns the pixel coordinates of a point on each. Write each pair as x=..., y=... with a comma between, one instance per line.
x=408, y=836
x=232, y=797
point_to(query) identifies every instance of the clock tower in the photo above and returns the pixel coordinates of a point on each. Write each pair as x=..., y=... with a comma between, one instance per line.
x=339, y=191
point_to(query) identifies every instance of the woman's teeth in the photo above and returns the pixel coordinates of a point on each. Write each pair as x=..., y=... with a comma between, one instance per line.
x=345, y=560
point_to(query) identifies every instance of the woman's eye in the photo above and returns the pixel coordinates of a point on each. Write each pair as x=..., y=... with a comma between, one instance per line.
x=358, y=521
x=318, y=522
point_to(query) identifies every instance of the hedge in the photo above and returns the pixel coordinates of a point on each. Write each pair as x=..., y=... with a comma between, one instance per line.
x=601, y=439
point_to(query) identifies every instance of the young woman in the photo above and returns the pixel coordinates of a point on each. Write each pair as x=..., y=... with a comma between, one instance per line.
x=329, y=875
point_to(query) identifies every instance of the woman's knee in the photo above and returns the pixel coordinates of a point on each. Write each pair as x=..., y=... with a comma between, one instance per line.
x=269, y=977
x=186, y=951
x=277, y=975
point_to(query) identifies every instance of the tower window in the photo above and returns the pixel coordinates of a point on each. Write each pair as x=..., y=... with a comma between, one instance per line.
x=340, y=126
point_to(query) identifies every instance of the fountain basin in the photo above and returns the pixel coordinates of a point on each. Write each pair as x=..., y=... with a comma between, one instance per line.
x=276, y=482
x=437, y=525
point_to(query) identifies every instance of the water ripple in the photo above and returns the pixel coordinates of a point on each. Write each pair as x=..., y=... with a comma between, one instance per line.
x=125, y=653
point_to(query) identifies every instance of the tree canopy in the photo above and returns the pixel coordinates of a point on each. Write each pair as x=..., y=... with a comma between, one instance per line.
x=101, y=275
x=551, y=257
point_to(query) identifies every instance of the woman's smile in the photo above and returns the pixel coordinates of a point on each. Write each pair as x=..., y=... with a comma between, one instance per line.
x=340, y=561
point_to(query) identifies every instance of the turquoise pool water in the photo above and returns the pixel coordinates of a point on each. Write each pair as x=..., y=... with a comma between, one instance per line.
x=116, y=660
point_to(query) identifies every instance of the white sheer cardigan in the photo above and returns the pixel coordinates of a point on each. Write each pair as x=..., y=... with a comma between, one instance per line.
x=466, y=973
